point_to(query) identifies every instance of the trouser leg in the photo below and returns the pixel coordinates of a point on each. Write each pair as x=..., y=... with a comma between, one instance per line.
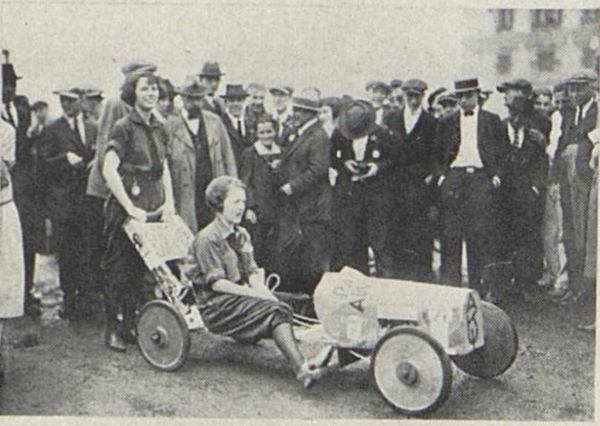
x=451, y=216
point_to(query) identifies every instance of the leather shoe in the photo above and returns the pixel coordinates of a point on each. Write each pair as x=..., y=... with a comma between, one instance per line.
x=115, y=342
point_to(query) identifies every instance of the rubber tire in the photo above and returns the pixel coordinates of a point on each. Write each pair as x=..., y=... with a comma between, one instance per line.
x=444, y=360
x=501, y=345
x=151, y=308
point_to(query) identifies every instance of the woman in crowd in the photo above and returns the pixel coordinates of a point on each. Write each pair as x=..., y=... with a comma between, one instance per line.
x=12, y=284
x=137, y=174
x=233, y=298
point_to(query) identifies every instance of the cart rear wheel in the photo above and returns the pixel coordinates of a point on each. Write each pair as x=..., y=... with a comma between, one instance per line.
x=163, y=336
x=412, y=371
x=499, y=350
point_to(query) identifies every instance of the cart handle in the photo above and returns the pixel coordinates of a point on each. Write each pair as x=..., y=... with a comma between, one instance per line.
x=273, y=281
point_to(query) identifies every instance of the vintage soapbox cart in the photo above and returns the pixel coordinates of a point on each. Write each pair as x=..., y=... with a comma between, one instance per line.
x=409, y=331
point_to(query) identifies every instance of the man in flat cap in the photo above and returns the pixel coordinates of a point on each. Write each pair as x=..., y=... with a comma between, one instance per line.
x=282, y=105
x=574, y=150
x=469, y=149
x=91, y=103
x=411, y=234
x=521, y=198
x=67, y=151
x=233, y=119
x=303, y=241
x=210, y=77
x=200, y=151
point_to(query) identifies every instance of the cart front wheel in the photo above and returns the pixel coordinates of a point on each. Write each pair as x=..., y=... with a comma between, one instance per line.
x=163, y=336
x=412, y=371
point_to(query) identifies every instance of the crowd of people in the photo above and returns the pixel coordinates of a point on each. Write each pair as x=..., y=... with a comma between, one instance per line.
x=378, y=184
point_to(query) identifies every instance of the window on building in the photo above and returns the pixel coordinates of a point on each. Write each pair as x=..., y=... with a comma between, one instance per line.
x=588, y=57
x=546, y=60
x=546, y=19
x=590, y=16
x=503, y=63
x=504, y=19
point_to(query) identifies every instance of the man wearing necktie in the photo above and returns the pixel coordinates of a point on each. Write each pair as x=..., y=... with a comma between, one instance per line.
x=67, y=151
x=199, y=152
x=468, y=151
x=234, y=98
x=522, y=195
x=573, y=154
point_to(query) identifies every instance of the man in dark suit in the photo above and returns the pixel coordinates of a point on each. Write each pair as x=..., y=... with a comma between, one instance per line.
x=67, y=152
x=303, y=241
x=522, y=195
x=234, y=121
x=573, y=156
x=469, y=149
x=254, y=109
x=363, y=156
x=412, y=235
x=210, y=77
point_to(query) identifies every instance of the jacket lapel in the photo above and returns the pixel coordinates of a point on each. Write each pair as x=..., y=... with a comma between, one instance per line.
x=300, y=140
x=76, y=144
x=183, y=133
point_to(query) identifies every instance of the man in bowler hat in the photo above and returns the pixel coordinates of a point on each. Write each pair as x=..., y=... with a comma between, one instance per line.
x=233, y=119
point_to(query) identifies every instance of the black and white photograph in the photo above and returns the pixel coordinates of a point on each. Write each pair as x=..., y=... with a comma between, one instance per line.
x=298, y=210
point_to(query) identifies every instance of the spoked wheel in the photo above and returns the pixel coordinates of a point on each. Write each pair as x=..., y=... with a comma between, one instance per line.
x=163, y=336
x=500, y=345
x=412, y=371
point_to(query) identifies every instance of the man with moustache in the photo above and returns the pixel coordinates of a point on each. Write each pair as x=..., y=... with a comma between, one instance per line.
x=199, y=152
x=469, y=148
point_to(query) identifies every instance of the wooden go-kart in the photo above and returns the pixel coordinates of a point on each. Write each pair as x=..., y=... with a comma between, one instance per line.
x=410, y=332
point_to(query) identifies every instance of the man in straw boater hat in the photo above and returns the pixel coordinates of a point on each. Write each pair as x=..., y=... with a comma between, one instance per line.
x=303, y=241
x=200, y=151
x=67, y=151
x=410, y=234
x=363, y=157
x=470, y=146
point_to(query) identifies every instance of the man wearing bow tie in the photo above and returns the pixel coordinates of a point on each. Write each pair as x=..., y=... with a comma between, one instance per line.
x=470, y=146
x=67, y=152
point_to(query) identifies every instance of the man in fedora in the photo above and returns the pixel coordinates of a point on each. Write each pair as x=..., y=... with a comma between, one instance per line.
x=469, y=148
x=411, y=233
x=67, y=150
x=199, y=152
x=210, y=77
x=282, y=113
x=523, y=191
x=573, y=157
x=363, y=156
x=303, y=241
x=234, y=121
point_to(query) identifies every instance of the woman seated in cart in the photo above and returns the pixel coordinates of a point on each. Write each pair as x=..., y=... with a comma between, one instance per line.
x=233, y=298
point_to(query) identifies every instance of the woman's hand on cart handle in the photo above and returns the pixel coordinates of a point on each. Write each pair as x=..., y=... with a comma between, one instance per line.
x=137, y=213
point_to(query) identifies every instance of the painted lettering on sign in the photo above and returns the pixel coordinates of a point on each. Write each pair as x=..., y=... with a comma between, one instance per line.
x=472, y=325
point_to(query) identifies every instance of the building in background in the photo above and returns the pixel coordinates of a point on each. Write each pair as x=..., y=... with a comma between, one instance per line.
x=543, y=45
